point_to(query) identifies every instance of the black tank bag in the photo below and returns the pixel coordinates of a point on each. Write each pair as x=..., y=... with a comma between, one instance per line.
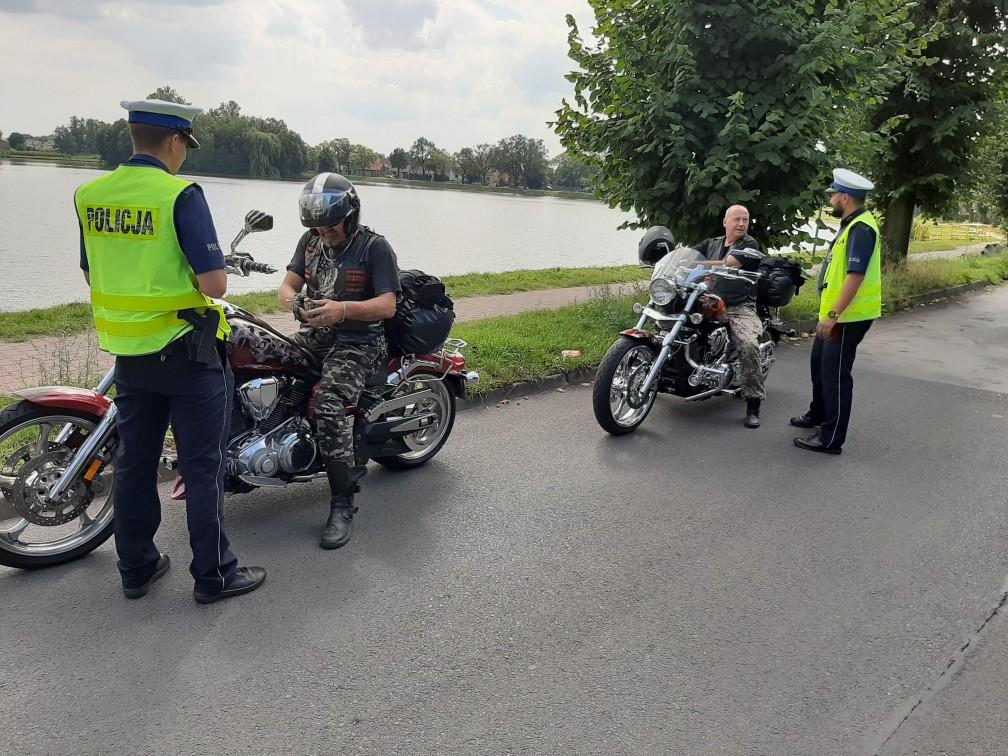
x=424, y=315
x=780, y=279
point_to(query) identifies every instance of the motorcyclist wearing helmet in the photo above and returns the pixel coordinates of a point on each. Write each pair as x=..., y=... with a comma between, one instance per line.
x=352, y=280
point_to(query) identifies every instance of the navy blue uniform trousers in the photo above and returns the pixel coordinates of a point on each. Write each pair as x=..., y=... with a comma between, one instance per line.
x=832, y=382
x=152, y=390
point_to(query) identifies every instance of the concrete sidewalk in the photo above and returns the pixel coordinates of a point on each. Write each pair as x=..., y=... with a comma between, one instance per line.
x=53, y=360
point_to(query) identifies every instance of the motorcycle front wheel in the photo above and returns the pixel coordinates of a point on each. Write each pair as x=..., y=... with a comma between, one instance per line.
x=35, y=445
x=616, y=398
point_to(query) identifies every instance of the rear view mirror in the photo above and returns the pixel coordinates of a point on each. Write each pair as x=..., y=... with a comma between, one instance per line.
x=256, y=220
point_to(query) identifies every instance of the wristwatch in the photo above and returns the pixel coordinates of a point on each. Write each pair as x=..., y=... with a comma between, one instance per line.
x=833, y=315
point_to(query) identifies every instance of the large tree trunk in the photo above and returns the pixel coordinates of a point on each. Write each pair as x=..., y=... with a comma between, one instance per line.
x=896, y=234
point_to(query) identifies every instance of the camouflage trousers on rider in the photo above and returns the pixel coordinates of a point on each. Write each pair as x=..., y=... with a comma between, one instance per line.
x=345, y=367
x=746, y=329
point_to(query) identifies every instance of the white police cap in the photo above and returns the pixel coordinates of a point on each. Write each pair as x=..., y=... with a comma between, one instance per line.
x=167, y=115
x=850, y=183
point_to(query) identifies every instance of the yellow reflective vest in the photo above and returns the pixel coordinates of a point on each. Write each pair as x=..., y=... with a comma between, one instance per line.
x=867, y=304
x=140, y=278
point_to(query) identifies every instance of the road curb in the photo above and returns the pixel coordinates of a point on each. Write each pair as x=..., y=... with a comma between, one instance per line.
x=523, y=389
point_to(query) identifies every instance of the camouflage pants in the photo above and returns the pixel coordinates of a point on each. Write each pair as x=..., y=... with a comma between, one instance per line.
x=345, y=367
x=746, y=328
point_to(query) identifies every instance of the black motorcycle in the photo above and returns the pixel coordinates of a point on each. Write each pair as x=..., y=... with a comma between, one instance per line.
x=682, y=343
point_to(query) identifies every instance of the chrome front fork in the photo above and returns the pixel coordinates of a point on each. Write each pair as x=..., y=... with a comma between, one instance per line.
x=91, y=445
x=667, y=342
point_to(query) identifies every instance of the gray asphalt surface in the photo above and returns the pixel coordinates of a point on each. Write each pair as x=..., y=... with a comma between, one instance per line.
x=695, y=587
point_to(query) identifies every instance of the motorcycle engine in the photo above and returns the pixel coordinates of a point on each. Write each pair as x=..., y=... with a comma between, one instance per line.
x=259, y=396
x=289, y=449
x=717, y=342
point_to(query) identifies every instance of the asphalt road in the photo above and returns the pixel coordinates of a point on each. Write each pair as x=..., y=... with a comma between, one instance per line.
x=695, y=587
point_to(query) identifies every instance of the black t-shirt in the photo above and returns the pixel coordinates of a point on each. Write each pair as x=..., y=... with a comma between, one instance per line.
x=716, y=249
x=734, y=291
x=362, y=270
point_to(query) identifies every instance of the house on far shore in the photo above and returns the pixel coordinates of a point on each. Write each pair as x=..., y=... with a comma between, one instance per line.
x=40, y=144
x=380, y=167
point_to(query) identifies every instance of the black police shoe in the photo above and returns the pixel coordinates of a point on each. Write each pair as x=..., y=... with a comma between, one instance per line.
x=246, y=580
x=804, y=421
x=339, y=526
x=141, y=590
x=752, y=413
x=814, y=443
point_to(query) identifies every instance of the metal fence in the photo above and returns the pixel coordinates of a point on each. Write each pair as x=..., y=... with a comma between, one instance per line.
x=972, y=232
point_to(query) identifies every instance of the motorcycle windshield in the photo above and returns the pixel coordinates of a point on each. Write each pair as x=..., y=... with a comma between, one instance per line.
x=679, y=265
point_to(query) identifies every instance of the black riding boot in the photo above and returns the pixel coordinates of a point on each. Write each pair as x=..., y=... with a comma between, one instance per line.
x=343, y=481
x=752, y=413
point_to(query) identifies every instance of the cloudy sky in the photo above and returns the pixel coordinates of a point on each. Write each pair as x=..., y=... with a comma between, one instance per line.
x=380, y=72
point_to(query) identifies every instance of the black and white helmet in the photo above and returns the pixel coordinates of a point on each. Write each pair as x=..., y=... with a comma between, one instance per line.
x=328, y=200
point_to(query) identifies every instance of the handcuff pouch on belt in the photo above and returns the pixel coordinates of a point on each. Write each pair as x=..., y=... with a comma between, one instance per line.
x=201, y=342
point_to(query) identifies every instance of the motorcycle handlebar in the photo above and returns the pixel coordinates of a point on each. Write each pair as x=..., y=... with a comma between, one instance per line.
x=246, y=265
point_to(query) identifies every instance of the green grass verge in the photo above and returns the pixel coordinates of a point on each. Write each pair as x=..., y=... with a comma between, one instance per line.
x=62, y=320
x=90, y=161
x=478, y=284
x=75, y=318
x=941, y=245
x=528, y=347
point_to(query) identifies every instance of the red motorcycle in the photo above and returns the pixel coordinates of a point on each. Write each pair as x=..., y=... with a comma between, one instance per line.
x=57, y=445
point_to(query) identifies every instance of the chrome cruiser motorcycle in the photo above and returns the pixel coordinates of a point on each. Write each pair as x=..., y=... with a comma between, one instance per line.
x=682, y=343
x=58, y=443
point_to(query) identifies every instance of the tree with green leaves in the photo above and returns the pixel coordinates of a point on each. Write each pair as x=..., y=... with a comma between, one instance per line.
x=399, y=159
x=361, y=156
x=573, y=172
x=422, y=155
x=483, y=157
x=325, y=159
x=465, y=165
x=442, y=164
x=77, y=137
x=229, y=109
x=113, y=143
x=932, y=117
x=16, y=140
x=168, y=94
x=523, y=159
x=725, y=103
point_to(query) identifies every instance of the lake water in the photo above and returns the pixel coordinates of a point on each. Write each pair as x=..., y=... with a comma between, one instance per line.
x=438, y=231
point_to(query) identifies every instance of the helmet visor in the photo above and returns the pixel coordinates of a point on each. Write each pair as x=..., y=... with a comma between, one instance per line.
x=324, y=208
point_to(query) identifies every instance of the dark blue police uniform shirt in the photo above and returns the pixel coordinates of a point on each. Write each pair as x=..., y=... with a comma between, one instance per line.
x=193, y=225
x=860, y=245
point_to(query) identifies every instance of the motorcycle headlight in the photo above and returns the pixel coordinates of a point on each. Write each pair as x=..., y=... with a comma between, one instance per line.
x=662, y=291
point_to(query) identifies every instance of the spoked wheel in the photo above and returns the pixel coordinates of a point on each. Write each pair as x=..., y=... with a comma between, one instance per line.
x=35, y=445
x=425, y=443
x=616, y=397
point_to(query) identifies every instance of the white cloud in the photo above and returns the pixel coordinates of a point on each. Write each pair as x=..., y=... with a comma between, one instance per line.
x=380, y=72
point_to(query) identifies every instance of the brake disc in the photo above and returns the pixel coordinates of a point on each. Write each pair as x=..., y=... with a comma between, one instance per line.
x=35, y=478
x=635, y=397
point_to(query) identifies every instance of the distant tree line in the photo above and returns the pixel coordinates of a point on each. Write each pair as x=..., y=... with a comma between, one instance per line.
x=239, y=145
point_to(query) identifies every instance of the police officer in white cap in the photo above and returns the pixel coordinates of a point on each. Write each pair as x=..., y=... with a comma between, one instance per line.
x=150, y=253
x=850, y=284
